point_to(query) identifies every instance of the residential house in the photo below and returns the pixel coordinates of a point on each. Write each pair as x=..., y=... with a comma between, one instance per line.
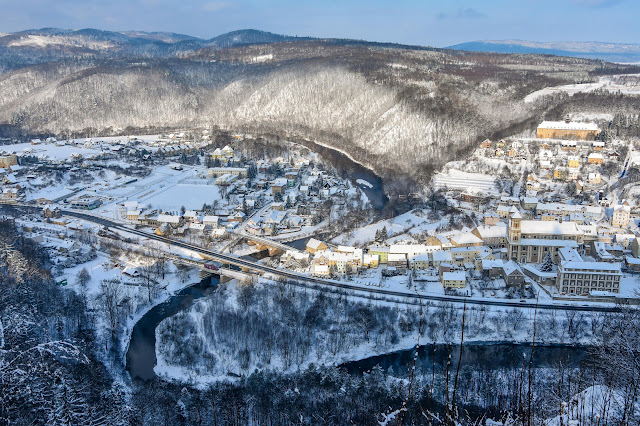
x=621, y=216
x=313, y=246
x=454, y=279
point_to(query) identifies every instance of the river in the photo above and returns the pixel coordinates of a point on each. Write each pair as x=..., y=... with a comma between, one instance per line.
x=141, y=355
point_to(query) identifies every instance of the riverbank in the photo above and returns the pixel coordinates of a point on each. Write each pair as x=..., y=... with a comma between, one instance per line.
x=227, y=337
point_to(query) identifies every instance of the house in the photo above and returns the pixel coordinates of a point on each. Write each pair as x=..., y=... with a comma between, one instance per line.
x=493, y=236
x=169, y=219
x=51, y=212
x=594, y=178
x=398, y=261
x=466, y=240
x=621, y=216
x=595, y=158
x=7, y=161
x=278, y=186
x=512, y=274
x=133, y=215
x=439, y=257
x=313, y=246
x=210, y=220
x=454, y=279
x=573, y=161
x=370, y=260
x=420, y=261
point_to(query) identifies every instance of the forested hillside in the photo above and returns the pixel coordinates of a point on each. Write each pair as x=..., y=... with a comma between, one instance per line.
x=400, y=110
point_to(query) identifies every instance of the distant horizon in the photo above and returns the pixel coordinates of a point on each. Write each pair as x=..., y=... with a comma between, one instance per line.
x=213, y=36
x=408, y=22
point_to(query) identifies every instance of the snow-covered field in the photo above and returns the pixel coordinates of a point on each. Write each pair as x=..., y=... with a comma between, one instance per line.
x=611, y=84
x=469, y=182
x=191, y=196
x=413, y=222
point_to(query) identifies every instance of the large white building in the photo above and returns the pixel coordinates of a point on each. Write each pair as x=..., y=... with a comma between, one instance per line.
x=584, y=278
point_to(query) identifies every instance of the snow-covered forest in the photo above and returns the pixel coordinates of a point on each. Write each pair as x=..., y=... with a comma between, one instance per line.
x=401, y=111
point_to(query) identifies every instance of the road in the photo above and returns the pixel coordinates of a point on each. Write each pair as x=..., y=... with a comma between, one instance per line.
x=303, y=278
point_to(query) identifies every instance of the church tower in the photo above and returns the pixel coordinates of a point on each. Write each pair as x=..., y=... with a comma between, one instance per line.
x=515, y=227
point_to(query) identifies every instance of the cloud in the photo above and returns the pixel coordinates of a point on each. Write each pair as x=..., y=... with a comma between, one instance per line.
x=462, y=13
x=597, y=3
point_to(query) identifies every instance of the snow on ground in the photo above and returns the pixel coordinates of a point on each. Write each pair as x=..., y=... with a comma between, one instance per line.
x=364, y=183
x=413, y=222
x=469, y=182
x=51, y=150
x=611, y=84
x=191, y=196
x=596, y=404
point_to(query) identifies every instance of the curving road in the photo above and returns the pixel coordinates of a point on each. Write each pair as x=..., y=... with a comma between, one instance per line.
x=303, y=278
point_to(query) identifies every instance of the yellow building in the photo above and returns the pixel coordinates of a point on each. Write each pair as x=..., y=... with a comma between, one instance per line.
x=567, y=129
x=8, y=160
x=314, y=246
x=595, y=158
x=454, y=279
x=381, y=252
x=560, y=173
x=573, y=162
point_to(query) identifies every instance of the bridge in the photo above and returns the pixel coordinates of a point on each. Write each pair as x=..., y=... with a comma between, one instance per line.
x=320, y=283
x=204, y=271
x=261, y=243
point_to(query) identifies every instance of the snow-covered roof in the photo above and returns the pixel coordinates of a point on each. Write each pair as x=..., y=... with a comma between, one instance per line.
x=543, y=227
x=454, y=276
x=167, y=218
x=441, y=256
x=314, y=244
x=572, y=125
x=467, y=238
x=496, y=231
x=596, y=155
x=397, y=257
x=592, y=266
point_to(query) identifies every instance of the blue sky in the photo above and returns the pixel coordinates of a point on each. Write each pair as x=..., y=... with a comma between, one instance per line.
x=421, y=22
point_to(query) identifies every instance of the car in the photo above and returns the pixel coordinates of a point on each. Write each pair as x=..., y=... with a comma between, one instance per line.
x=523, y=301
x=212, y=267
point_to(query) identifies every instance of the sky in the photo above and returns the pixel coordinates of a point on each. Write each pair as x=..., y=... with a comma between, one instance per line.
x=417, y=22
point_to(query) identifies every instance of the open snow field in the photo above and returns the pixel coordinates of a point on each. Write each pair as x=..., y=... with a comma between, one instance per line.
x=191, y=196
x=611, y=84
x=470, y=182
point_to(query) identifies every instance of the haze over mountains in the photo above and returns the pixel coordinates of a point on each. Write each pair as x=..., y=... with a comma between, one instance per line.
x=400, y=110
x=612, y=52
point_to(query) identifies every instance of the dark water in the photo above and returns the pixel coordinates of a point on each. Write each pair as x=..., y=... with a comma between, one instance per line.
x=141, y=356
x=354, y=171
x=300, y=244
x=477, y=356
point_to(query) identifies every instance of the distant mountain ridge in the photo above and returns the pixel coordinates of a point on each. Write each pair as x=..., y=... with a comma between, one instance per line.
x=611, y=52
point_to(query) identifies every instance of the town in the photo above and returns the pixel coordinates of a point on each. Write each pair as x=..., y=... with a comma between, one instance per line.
x=549, y=216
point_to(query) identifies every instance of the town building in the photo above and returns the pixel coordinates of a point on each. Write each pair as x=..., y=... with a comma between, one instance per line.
x=530, y=240
x=314, y=246
x=584, y=278
x=567, y=129
x=621, y=216
x=454, y=279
